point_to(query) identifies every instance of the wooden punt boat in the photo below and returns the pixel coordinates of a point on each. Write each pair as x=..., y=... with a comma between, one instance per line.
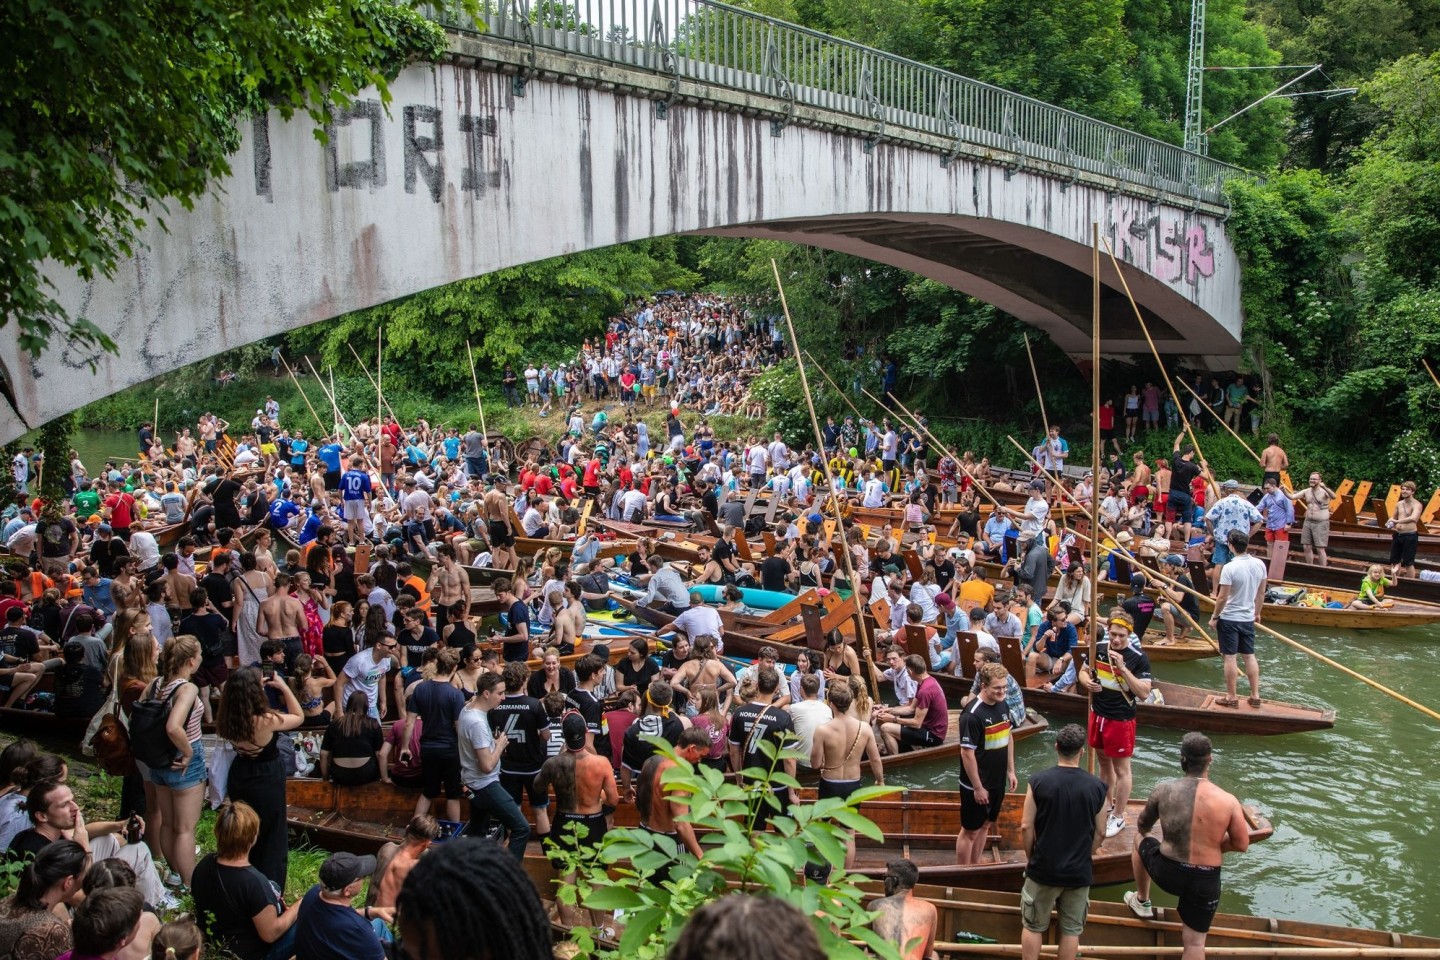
x=42, y=723
x=919, y=824
x=969, y=913
x=1345, y=574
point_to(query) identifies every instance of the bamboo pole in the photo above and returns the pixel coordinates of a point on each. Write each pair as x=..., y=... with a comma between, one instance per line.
x=835, y=385
x=1155, y=351
x=1035, y=375
x=860, y=636
x=380, y=376
x=1266, y=628
x=155, y=424
x=335, y=406
x=475, y=382
x=303, y=396
x=1094, y=464
x=328, y=396
x=381, y=397
x=915, y=422
x=1228, y=429
x=1430, y=371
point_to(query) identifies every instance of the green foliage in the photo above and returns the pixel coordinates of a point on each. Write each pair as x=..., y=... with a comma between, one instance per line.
x=737, y=856
x=111, y=111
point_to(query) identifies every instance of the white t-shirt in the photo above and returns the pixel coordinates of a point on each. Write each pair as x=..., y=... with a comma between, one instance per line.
x=1244, y=575
x=757, y=458
x=807, y=716
x=473, y=728
x=905, y=685
x=701, y=621
x=874, y=493
x=361, y=672
x=1038, y=508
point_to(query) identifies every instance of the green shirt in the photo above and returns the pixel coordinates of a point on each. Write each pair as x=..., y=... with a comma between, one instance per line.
x=87, y=504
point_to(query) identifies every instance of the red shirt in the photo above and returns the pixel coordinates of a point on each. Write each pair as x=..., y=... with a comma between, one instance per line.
x=567, y=488
x=592, y=473
x=120, y=505
x=392, y=430
x=626, y=476
x=1197, y=491
x=930, y=698
x=1107, y=418
x=543, y=484
x=527, y=480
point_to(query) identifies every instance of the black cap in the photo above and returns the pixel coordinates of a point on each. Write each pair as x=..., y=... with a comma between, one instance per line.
x=573, y=729
x=1138, y=582
x=342, y=869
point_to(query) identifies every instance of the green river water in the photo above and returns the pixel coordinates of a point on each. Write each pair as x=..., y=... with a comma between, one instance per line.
x=1355, y=808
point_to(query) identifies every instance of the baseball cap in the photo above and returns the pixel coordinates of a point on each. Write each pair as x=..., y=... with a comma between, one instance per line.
x=1037, y=484
x=815, y=518
x=1175, y=560
x=1027, y=535
x=943, y=600
x=105, y=528
x=1138, y=581
x=342, y=869
x=573, y=729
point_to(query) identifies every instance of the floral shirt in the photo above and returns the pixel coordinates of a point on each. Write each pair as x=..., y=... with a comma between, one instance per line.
x=1232, y=512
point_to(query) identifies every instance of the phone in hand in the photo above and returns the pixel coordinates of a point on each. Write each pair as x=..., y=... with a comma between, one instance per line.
x=1102, y=651
x=267, y=670
x=134, y=830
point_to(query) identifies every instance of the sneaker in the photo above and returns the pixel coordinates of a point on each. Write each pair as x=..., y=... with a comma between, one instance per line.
x=1141, y=908
x=172, y=879
x=1113, y=825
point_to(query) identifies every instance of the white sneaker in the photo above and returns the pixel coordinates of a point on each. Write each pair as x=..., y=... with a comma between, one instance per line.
x=1113, y=825
x=1141, y=908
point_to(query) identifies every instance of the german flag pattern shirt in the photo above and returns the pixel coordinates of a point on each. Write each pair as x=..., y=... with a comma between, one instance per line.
x=985, y=728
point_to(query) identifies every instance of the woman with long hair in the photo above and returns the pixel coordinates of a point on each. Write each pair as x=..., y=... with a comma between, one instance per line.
x=131, y=668
x=805, y=662
x=350, y=749
x=180, y=789
x=376, y=626
x=257, y=777
x=30, y=929
x=457, y=632
x=313, y=602
x=338, y=640
x=311, y=680
x=710, y=718
x=472, y=668
x=250, y=589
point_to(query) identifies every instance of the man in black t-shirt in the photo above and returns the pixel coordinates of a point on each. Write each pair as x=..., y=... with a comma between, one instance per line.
x=1063, y=826
x=522, y=718
x=18, y=647
x=656, y=720
x=987, y=762
x=775, y=572
x=756, y=723
x=108, y=552
x=1183, y=471
x=1120, y=678
x=589, y=671
x=517, y=641
x=217, y=585
x=438, y=703
x=1140, y=607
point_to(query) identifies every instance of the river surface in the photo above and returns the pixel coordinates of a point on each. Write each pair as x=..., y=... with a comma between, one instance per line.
x=1355, y=808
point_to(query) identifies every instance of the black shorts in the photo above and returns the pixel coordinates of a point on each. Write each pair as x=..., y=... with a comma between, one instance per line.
x=440, y=768
x=1270, y=476
x=1107, y=433
x=836, y=788
x=518, y=784
x=778, y=805
x=332, y=479
x=917, y=738
x=1235, y=637
x=974, y=815
x=1198, y=888
x=662, y=873
x=500, y=535
x=562, y=836
x=1402, y=549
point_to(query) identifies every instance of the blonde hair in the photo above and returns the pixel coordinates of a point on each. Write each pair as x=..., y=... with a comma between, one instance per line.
x=236, y=827
x=176, y=654
x=180, y=940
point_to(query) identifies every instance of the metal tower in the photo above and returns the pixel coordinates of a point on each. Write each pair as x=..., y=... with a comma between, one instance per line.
x=1195, y=79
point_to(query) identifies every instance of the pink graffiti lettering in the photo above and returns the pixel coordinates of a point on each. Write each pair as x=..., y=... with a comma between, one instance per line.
x=1200, y=255
x=1169, y=250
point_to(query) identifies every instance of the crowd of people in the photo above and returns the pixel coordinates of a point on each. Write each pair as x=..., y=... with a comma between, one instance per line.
x=316, y=609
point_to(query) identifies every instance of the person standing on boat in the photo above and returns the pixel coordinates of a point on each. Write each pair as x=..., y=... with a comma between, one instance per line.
x=1200, y=823
x=1062, y=827
x=1237, y=611
x=987, y=763
x=1315, y=533
x=1279, y=514
x=1404, y=531
x=1120, y=677
x=1273, y=460
x=1232, y=513
x=480, y=751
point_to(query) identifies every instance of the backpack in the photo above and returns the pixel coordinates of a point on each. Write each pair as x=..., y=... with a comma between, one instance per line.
x=149, y=741
x=106, y=739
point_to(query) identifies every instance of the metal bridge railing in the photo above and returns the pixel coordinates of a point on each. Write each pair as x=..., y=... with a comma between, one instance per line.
x=713, y=43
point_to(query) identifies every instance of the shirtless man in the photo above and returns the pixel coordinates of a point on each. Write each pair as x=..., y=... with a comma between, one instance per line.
x=660, y=811
x=1201, y=823
x=396, y=860
x=837, y=751
x=502, y=533
x=282, y=617
x=563, y=635
x=1405, y=531
x=703, y=669
x=905, y=921
x=1315, y=532
x=584, y=793
x=449, y=585
x=1273, y=459
x=177, y=584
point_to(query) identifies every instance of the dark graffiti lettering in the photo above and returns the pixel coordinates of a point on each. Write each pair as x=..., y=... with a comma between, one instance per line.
x=416, y=163
x=356, y=173
x=473, y=177
x=260, y=127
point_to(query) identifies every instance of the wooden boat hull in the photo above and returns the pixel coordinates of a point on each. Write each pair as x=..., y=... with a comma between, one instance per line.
x=920, y=824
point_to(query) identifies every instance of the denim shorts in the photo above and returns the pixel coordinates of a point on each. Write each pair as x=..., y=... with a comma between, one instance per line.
x=1222, y=554
x=193, y=773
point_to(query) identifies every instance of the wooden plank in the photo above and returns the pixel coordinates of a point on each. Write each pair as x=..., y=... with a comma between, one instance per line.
x=839, y=615
x=793, y=608
x=1362, y=493
x=1382, y=511
x=915, y=641
x=742, y=546
x=584, y=517
x=1392, y=498
x=814, y=631
x=912, y=563
x=770, y=508
x=1286, y=482
x=1432, y=508
x=1341, y=492
x=769, y=538
x=1344, y=513
x=1012, y=658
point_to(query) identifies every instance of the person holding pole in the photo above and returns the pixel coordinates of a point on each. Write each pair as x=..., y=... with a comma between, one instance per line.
x=1119, y=677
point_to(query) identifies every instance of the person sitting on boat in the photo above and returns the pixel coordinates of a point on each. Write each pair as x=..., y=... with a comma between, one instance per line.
x=699, y=619
x=907, y=722
x=1050, y=652
x=901, y=917
x=768, y=658
x=1178, y=607
x=667, y=587
x=1372, y=589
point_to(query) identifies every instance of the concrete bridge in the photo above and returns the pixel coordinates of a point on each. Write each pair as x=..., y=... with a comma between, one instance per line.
x=531, y=141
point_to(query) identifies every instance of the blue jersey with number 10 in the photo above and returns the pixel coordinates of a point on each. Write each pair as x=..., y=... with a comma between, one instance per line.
x=354, y=484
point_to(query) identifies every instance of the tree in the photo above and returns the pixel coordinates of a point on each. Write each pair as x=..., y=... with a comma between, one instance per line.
x=113, y=109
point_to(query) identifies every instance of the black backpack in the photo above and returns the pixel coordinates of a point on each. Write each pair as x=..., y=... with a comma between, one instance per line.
x=149, y=741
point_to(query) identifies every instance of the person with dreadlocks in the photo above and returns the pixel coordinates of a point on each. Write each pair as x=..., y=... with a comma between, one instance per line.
x=902, y=918
x=468, y=900
x=584, y=795
x=656, y=720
